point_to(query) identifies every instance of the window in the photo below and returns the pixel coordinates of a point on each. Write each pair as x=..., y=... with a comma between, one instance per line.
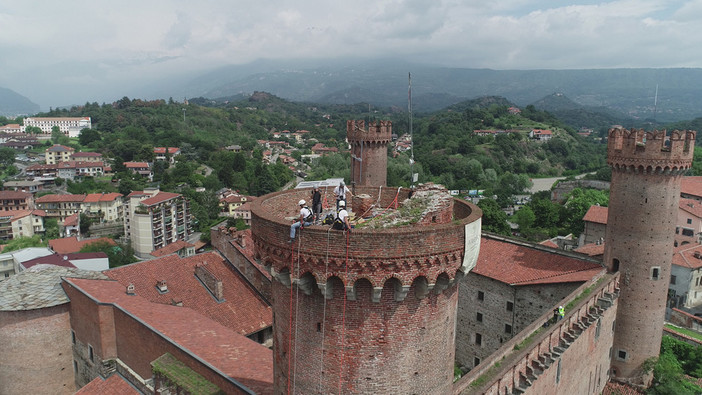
x=597, y=329
x=615, y=265
x=478, y=339
x=688, y=232
x=479, y=317
x=558, y=372
x=510, y=306
x=655, y=273
x=689, y=221
x=91, y=355
x=508, y=328
x=73, y=337
x=621, y=355
x=672, y=279
x=481, y=296
x=476, y=361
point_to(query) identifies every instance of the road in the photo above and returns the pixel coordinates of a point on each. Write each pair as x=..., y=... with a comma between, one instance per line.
x=545, y=184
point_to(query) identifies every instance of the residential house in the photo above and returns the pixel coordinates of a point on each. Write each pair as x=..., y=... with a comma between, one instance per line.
x=689, y=225
x=70, y=227
x=166, y=153
x=70, y=126
x=685, y=289
x=24, y=223
x=103, y=207
x=60, y=206
x=181, y=247
x=16, y=200
x=691, y=188
x=87, y=157
x=540, y=134
x=321, y=149
x=95, y=261
x=23, y=186
x=233, y=148
x=11, y=128
x=595, y=225
x=10, y=262
x=229, y=201
x=71, y=170
x=58, y=153
x=141, y=168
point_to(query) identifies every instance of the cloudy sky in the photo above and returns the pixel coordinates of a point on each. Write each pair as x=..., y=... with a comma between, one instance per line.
x=73, y=51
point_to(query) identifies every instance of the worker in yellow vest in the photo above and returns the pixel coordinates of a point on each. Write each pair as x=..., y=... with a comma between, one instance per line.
x=561, y=313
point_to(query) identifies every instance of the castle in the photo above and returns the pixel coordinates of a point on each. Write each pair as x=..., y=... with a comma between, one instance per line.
x=387, y=308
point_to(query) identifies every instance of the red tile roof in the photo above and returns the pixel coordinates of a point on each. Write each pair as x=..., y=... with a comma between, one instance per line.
x=230, y=354
x=596, y=214
x=136, y=165
x=162, y=150
x=613, y=388
x=68, y=245
x=159, y=198
x=691, y=206
x=102, y=197
x=243, y=310
x=63, y=259
x=171, y=248
x=12, y=195
x=248, y=251
x=691, y=186
x=684, y=256
x=549, y=243
x=136, y=193
x=518, y=264
x=19, y=214
x=59, y=148
x=591, y=249
x=72, y=220
x=113, y=385
x=61, y=199
x=87, y=154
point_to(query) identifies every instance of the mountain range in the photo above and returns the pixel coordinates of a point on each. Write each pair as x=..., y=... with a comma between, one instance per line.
x=665, y=95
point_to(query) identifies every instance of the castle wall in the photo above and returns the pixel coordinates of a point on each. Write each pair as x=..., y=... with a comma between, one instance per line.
x=371, y=146
x=646, y=173
x=35, y=351
x=529, y=303
x=372, y=311
x=118, y=335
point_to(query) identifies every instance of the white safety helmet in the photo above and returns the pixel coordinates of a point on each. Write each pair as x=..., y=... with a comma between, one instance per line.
x=301, y=202
x=342, y=203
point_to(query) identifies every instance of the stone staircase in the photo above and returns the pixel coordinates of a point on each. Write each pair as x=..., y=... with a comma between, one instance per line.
x=544, y=360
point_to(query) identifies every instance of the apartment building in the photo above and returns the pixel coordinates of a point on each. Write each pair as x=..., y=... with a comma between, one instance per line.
x=23, y=186
x=24, y=223
x=16, y=200
x=57, y=153
x=70, y=126
x=155, y=219
x=60, y=206
x=106, y=207
x=87, y=157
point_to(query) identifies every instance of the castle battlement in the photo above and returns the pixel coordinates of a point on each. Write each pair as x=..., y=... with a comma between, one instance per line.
x=651, y=152
x=379, y=132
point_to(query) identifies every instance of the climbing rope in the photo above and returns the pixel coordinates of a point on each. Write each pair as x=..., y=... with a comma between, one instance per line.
x=292, y=263
x=393, y=203
x=343, y=315
x=324, y=310
x=297, y=306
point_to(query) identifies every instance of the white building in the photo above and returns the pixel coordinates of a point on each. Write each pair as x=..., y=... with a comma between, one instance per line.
x=69, y=126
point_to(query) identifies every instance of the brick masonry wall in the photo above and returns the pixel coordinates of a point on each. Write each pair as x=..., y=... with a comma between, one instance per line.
x=135, y=344
x=223, y=242
x=529, y=304
x=398, y=344
x=362, y=347
x=36, y=352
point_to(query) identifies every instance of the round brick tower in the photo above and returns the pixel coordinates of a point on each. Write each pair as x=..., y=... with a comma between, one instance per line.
x=369, y=151
x=646, y=172
x=371, y=312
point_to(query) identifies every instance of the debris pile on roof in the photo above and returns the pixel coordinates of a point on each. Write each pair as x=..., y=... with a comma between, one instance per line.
x=427, y=199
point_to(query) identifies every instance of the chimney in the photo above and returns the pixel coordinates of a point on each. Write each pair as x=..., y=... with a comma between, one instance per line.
x=162, y=287
x=240, y=239
x=130, y=289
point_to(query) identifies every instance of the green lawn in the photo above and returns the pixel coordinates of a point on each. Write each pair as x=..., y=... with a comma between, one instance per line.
x=685, y=331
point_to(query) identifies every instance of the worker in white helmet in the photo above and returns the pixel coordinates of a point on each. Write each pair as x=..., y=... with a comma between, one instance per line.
x=306, y=219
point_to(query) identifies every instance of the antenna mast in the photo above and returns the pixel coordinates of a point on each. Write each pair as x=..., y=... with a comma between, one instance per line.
x=655, y=107
x=409, y=110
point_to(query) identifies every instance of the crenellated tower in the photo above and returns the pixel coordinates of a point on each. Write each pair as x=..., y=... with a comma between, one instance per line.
x=369, y=151
x=369, y=312
x=647, y=168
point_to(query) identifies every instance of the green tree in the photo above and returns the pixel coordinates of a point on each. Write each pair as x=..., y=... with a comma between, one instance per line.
x=51, y=228
x=88, y=136
x=24, y=242
x=56, y=134
x=7, y=156
x=494, y=219
x=577, y=204
x=118, y=255
x=84, y=224
x=32, y=130
x=525, y=218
